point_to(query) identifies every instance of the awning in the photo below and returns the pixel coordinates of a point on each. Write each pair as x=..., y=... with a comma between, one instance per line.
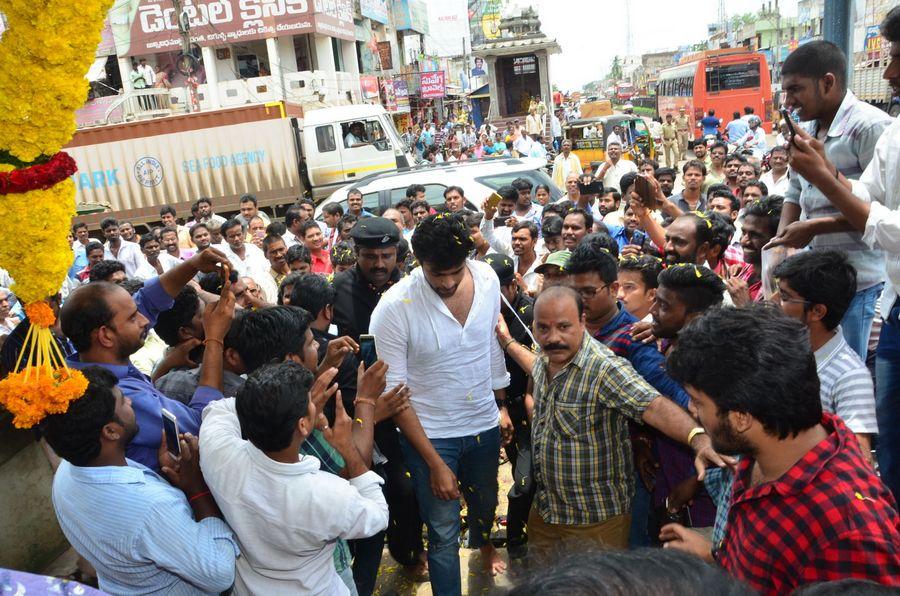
x=97, y=70
x=482, y=92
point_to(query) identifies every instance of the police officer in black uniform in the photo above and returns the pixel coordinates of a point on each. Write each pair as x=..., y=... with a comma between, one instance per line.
x=518, y=319
x=358, y=291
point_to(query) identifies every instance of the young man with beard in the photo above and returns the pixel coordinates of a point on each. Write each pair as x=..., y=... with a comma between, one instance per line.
x=525, y=259
x=435, y=330
x=526, y=209
x=168, y=217
x=758, y=226
x=141, y=533
x=805, y=505
x=745, y=173
x=637, y=284
x=517, y=318
x=693, y=173
x=314, y=240
x=168, y=238
x=494, y=226
x=116, y=249
x=715, y=169
x=156, y=262
x=666, y=179
x=201, y=236
x=107, y=326
x=584, y=395
x=732, y=163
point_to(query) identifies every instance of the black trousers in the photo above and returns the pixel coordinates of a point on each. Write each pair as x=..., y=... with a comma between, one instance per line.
x=519, y=453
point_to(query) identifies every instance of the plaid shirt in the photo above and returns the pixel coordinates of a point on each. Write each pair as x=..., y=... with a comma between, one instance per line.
x=583, y=466
x=827, y=518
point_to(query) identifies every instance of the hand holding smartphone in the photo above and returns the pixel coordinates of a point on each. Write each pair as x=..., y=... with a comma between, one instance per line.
x=645, y=190
x=170, y=426
x=492, y=201
x=790, y=122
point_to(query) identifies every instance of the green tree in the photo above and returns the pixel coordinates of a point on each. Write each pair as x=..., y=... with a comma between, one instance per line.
x=615, y=71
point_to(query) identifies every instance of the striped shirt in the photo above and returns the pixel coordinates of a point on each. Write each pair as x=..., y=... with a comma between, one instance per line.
x=139, y=533
x=849, y=145
x=583, y=467
x=845, y=385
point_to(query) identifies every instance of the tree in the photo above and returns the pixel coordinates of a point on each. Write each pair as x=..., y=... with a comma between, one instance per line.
x=615, y=72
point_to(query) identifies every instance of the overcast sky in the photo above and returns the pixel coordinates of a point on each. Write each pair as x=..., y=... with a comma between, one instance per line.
x=589, y=35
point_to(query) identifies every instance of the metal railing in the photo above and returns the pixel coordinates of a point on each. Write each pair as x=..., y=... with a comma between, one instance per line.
x=141, y=104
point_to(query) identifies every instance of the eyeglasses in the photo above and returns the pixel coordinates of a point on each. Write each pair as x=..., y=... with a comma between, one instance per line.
x=777, y=298
x=588, y=293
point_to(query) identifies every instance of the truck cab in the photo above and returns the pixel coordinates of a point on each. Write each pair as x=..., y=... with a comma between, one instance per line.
x=343, y=144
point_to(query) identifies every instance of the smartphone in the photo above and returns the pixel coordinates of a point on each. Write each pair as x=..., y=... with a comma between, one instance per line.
x=170, y=426
x=790, y=122
x=367, y=352
x=644, y=190
x=491, y=203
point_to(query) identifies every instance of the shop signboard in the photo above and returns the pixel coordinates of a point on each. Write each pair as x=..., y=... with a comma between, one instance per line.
x=432, y=85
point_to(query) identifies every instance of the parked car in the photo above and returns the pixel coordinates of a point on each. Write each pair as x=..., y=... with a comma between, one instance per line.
x=478, y=179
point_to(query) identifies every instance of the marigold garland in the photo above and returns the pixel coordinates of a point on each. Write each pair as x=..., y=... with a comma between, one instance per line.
x=54, y=42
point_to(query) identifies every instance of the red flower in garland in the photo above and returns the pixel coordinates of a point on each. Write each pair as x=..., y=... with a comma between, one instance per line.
x=40, y=176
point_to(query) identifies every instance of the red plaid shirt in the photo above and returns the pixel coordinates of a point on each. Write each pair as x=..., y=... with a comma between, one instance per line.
x=829, y=517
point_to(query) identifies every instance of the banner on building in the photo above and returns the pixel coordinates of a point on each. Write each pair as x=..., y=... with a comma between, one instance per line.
x=377, y=10
x=369, y=86
x=388, y=97
x=432, y=85
x=872, y=44
x=525, y=64
x=484, y=21
x=410, y=15
x=401, y=94
x=151, y=26
x=448, y=28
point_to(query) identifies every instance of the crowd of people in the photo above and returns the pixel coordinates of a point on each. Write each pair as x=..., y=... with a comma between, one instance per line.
x=657, y=367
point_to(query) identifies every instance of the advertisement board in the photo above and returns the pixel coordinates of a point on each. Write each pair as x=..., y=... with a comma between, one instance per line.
x=432, y=85
x=377, y=10
x=401, y=94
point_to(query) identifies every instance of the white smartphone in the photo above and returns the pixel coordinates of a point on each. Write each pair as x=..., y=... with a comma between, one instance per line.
x=170, y=426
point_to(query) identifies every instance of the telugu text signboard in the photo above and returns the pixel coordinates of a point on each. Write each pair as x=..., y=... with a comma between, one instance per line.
x=431, y=85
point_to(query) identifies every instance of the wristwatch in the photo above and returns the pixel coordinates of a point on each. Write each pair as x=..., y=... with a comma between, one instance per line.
x=697, y=430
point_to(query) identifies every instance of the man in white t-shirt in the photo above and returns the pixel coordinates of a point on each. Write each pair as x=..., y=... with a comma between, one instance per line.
x=435, y=330
x=614, y=167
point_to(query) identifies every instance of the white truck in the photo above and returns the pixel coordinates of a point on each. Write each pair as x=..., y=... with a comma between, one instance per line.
x=278, y=152
x=871, y=54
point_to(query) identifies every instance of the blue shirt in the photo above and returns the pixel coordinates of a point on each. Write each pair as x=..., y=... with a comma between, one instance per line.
x=710, y=125
x=146, y=399
x=618, y=233
x=736, y=129
x=139, y=532
x=80, y=261
x=645, y=358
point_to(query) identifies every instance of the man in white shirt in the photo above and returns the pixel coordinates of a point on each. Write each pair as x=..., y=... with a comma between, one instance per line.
x=565, y=164
x=876, y=214
x=249, y=210
x=777, y=179
x=246, y=259
x=155, y=262
x=116, y=249
x=356, y=136
x=434, y=329
x=556, y=130
x=614, y=167
x=146, y=71
x=287, y=514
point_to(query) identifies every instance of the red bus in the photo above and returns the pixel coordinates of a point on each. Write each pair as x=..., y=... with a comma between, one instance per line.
x=625, y=91
x=722, y=80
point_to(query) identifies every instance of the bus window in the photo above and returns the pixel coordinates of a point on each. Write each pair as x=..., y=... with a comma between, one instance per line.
x=728, y=77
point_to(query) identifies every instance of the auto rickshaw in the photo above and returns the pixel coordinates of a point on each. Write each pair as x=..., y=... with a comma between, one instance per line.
x=589, y=135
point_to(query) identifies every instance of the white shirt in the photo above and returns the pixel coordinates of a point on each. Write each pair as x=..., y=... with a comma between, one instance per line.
x=129, y=255
x=563, y=167
x=531, y=277
x=148, y=271
x=555, y=126
x=350, y=140
x=615, y=173
x=451, y=369
x=252, y=265
x=880, y=184
x=286, y=517
x=776, y=188
x=499, y=237
x=146, y=71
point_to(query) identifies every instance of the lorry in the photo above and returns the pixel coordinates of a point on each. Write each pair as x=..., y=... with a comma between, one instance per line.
x=871, y=55
x=278, y=152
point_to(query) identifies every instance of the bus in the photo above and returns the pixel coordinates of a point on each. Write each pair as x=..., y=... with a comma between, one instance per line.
x=722, y=80
x=625, y=91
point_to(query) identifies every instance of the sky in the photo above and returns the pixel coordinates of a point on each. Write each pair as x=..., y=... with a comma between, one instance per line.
x=589, y=38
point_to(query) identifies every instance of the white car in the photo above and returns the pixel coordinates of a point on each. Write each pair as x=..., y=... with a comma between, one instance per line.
x=478, y=179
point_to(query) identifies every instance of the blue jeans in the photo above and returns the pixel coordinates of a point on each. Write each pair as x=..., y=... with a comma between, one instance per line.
x=857, y=321
x=887, y=399
x=474, y=460
x=640, y=514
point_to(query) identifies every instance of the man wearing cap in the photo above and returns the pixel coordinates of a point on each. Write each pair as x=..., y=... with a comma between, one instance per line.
x=357, y=292
x=683, y=127
x=614, y=167
x=553, y=270
x=517, y=311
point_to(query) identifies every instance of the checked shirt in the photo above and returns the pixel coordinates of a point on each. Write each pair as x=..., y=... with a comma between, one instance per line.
x=828, y=517
x=583, y=465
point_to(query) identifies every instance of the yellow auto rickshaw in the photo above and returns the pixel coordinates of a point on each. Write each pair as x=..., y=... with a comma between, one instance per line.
x=589, y=135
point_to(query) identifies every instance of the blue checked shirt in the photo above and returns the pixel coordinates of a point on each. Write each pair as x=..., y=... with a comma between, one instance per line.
x=139, y=533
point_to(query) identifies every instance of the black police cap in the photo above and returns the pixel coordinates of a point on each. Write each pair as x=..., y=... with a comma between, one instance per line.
x=502, y=266
x=375, y=232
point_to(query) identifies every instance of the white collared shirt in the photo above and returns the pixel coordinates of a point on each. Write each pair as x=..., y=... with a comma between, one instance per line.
x=880, y=184
x=614, y=174
x=500, y=238
x=531, y=277
x=776, y=188
x=129, y=255
x=286, y=517
x=451, y=369
x=148, y=271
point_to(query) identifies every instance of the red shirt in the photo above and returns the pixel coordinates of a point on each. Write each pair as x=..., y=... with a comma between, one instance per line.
x=321, y=262
x=828, y=517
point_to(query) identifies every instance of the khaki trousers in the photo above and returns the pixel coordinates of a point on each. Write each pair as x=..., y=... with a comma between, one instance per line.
x=682, y=144
x=671, y=150
x=611, y=533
